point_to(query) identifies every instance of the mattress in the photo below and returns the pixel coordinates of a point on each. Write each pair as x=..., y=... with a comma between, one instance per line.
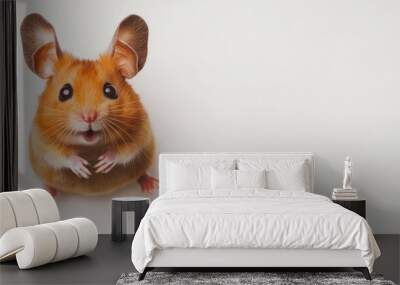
x=250, y=219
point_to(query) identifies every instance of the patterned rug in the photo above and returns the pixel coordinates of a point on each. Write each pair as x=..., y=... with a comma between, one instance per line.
x=269, y=278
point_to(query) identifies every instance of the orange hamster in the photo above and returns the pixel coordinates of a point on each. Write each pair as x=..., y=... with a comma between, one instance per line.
x=91, y=134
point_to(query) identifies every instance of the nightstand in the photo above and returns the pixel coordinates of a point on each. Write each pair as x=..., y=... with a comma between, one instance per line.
x=139, y=205
x=357, y=206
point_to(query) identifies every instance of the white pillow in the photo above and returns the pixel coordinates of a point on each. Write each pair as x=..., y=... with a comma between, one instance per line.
x=189, y=174
x=185, y=177
x=282, y=174
x=251, y=178
x=223, y=179
x=292, y=178
x=237, y=179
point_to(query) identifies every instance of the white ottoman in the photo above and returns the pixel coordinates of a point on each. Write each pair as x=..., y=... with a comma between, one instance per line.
x=32, y=234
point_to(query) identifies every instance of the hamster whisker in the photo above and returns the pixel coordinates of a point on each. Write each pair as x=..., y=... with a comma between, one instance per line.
x=54, y=128
x=56, y=124
x=69, y=133
x=54, y=143
x=124, y=111
x=119, y=121
x=55, y=140
x=106, y=132
x=123, y=108
x=116, y=129
x=63, y=133
x=126, y=116
x=103, y=130
x=57, y=133
x=115, y=132
x=54, y=133
x=121, y=124
x=119, y=105
x=124, y=104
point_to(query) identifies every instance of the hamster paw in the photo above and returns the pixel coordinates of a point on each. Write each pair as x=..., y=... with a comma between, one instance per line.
x=148, y=183
x=106, y=162
x=77, y=166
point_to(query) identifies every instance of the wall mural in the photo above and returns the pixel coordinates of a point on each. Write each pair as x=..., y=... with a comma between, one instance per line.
x=91, y=134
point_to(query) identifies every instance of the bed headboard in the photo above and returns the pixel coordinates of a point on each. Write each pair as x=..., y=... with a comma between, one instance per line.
x=166, y=157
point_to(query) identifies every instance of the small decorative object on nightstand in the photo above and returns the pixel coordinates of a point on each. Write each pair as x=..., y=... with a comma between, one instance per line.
x=358, y=206
x=347, y=175
x=347, y=196
x=347, y=192
x=139, y=205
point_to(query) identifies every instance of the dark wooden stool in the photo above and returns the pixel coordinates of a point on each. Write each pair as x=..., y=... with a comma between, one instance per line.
x=139, y=205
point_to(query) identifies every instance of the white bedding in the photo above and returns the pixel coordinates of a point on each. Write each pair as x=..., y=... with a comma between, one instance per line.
x=251, y=218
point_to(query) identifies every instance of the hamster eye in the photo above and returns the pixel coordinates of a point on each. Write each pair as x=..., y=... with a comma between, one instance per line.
x=109, y=91
x=65, y=92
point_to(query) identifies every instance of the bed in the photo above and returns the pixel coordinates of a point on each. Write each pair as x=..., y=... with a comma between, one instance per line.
x=246, y=210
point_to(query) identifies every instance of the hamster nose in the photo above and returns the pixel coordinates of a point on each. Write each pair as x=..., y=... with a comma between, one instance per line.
x=89, y=116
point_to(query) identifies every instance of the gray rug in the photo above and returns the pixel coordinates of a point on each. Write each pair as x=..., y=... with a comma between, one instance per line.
x=269, y=278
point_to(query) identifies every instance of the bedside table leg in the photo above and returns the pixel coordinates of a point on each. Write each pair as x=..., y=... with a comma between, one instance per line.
x=116, y=222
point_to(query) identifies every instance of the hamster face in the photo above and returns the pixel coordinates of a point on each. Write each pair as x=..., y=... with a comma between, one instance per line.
x=88, y=103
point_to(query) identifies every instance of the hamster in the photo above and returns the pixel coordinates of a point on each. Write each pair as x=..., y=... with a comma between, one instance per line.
x=91, y=134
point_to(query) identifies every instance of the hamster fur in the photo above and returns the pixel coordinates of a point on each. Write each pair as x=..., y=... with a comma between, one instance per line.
x=91, y=134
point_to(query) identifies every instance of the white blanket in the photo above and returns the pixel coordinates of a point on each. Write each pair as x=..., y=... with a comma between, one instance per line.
x=250, y=218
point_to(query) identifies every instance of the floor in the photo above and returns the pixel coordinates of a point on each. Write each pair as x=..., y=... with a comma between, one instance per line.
x=110, y=260
x=103, y=266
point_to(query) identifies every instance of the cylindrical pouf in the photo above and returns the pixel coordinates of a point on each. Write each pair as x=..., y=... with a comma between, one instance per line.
x=46, y=207
x=26, y=208
x=87, y=233
x=41, y=244
x=33, y=246
x=7, y=218
x=23, y=208
x=67, y=239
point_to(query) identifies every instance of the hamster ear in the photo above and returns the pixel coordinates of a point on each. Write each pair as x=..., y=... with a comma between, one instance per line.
x=129, y=45
x=39, y=42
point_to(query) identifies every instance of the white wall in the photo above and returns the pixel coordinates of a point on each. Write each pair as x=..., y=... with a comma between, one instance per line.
x=321, y=76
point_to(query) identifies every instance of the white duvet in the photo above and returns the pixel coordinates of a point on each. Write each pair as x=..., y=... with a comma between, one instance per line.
x=250, y=219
